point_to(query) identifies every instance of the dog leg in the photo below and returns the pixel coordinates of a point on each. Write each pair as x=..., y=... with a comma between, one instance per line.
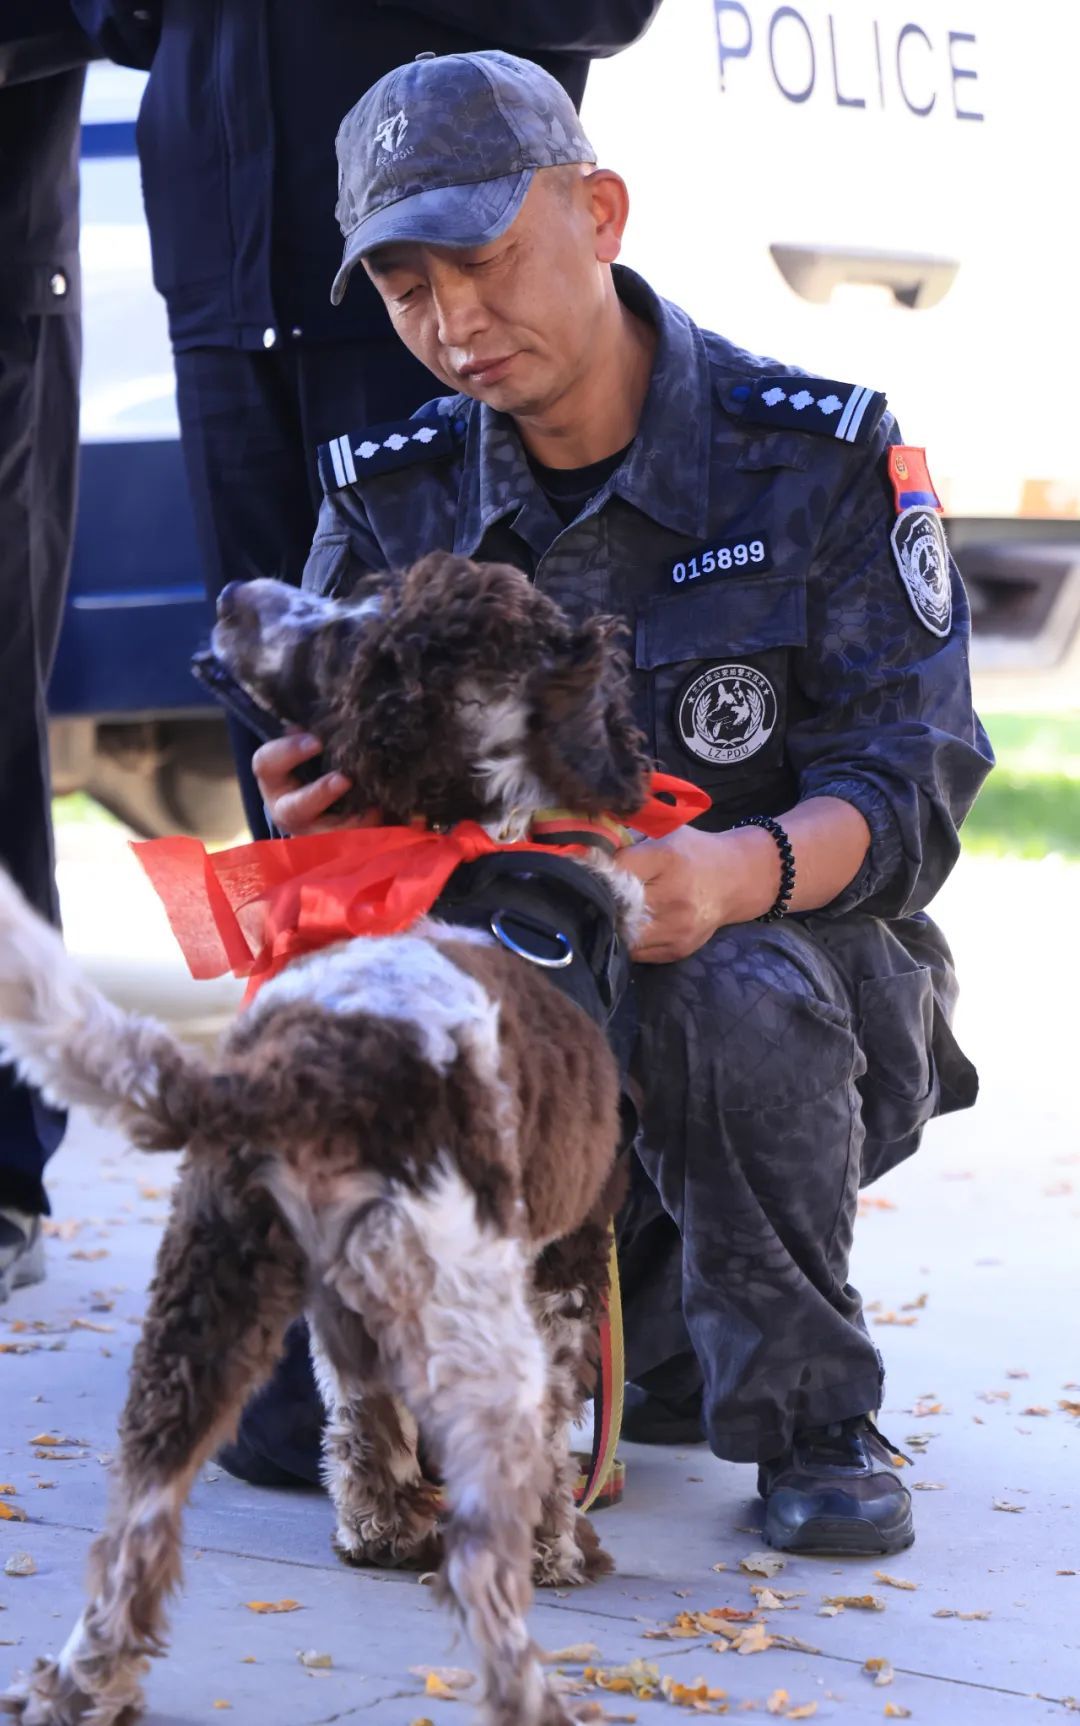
x=387, y=1512
x=445, y=1298
x=226, y=1285
x=569, y=1283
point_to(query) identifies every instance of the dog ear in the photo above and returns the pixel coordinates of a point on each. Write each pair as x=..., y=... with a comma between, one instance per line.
x=582, y=742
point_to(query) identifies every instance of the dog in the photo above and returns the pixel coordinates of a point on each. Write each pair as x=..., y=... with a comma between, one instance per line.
x=411, y=1138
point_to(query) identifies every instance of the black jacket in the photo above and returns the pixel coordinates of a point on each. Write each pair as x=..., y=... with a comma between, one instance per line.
x=236, y=137
x=42, y=56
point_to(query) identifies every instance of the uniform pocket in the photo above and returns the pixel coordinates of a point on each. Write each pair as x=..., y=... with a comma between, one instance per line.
x=713, y=670
x=900, y=1087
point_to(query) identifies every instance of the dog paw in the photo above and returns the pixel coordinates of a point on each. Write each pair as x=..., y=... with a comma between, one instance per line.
x=388, y=1551
x=558, y=1561
x=596, y=1560
x=51, y=1697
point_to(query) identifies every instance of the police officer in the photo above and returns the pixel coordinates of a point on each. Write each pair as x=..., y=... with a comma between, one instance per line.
x=42, y=60
x=236, y=140
x=800, y=650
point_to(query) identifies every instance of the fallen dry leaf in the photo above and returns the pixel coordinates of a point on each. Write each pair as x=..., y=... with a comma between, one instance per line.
x=88, y=1324
x=697, y=1695
x=893, y=1711
x=951, y=1612
x=1017, y=1372
x=451, y=1677
x=858, y=1602
x=995, y=1395
x=60, y=1231
x=929, y=1485
x=9, y=1489
x=1064, y=1572
x=1003, y=1504
x=874, y=1204
x=638, y=1678
x=577, y=1654
x=777, y=1702
x=829, y=1611
x=795, y=1644
x=220, y=1704
x=422, y=1721
x=20, y=1564
x=755, y=1639
x=11, y=1512
x=88, y=1255
x=895, y=1318
x=720, y=1567
x=1035, y=1408
x=915, y=1305
x=313, y=1660
x=272, y=1605
x=879, y=1670
x=1072, y=1408
x=896, y=1581
x=923, y=1408
x=762, y=1563
x=778, y=1600
x=804, y=1713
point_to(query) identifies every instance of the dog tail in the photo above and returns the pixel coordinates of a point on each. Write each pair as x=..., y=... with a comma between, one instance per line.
x=76, y=1047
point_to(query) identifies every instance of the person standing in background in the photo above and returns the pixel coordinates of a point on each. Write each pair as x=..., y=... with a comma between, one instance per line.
x=42, y=69
x=236, y=145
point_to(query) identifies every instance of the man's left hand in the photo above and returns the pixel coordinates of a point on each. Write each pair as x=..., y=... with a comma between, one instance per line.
x=683, y=877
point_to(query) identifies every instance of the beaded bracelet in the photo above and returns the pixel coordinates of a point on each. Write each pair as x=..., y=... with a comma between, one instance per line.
x=779, y=906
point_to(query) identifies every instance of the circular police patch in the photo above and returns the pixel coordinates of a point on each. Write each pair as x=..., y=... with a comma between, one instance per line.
x=726, y=714
x=918, y=541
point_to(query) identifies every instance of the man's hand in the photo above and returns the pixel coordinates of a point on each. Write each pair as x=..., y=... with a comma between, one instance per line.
x=690, y=893
x=293, y=807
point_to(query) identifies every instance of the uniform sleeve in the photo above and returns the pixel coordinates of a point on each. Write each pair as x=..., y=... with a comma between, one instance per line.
x=344, y=550
x=588, y=27
x=891, y=727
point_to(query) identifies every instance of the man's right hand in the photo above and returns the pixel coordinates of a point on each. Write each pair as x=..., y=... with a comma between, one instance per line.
x=293, y=807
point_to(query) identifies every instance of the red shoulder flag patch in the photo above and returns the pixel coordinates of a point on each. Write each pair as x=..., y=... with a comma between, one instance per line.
x=911, y=482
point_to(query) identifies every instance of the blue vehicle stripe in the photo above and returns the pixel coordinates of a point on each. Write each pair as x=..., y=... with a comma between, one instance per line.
x=103, y=139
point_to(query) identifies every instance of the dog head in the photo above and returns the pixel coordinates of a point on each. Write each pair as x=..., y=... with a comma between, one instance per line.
x=450, y=691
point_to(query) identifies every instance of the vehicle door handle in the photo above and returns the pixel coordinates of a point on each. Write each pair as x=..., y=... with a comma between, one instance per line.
x=915, y=279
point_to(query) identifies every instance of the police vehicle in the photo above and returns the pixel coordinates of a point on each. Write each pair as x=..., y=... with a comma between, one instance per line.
x=872, y=191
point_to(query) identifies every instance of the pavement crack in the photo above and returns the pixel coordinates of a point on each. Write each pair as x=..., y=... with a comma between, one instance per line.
x=362, y=1707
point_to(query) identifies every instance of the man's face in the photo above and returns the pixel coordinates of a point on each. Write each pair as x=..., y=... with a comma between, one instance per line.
x=509, y=323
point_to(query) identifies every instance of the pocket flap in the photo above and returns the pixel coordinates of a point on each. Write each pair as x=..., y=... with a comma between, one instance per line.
x=736, y=614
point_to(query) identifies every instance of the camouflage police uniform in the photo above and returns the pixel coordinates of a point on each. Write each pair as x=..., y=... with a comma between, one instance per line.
x=797, y=631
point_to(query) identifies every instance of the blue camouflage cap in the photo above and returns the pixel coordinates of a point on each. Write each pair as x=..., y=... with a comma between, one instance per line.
x=443, y=150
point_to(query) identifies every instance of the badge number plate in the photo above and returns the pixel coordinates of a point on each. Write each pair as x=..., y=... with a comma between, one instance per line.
x=722, y=557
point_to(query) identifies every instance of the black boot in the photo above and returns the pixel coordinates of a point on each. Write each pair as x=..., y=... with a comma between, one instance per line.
x=280, y=1435
x=834, y=1492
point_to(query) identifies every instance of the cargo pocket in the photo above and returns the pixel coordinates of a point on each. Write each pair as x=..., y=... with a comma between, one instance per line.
x=713, y=670
x=900, y=1086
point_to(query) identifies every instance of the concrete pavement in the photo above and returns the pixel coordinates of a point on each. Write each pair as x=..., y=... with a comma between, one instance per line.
x=967, y=1255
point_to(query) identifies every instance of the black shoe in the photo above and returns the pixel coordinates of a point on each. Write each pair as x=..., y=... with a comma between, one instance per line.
x=654, y=1420
x=834, y=1492
x=279, y=1442
x=22, y=1251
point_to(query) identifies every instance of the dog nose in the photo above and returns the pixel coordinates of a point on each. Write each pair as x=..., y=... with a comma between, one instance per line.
x=228, y=601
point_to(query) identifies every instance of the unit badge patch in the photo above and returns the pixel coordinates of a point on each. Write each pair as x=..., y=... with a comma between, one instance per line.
x=918, y=541
x=726, y=714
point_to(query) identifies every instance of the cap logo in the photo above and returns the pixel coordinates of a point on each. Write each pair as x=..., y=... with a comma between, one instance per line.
x=389, y=133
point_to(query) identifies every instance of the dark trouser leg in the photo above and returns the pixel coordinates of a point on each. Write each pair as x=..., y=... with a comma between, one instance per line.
x=39, y=417
x=250, y=425
x=752, y=1136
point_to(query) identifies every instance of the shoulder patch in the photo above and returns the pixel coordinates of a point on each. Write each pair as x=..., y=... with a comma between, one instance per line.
x=382, y=449
x=823, y=406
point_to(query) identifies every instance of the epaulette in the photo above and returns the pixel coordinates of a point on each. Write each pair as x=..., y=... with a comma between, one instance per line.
x=382, y=449
x=820, y=405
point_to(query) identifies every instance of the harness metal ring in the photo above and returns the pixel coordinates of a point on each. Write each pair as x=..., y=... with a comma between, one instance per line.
x=559, y=964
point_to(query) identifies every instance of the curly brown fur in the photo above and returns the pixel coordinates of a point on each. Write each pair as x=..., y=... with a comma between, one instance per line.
x=412, y=1138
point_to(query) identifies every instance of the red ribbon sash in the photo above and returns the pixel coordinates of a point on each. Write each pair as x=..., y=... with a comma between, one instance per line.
x=252, y=909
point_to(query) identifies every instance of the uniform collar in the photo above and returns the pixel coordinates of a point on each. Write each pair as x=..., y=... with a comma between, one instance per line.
x=665, y=475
